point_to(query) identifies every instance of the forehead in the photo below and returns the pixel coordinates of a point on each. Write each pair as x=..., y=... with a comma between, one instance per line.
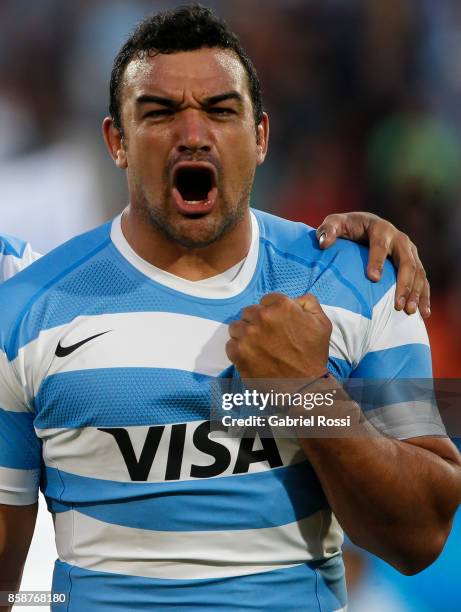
x=203, y=72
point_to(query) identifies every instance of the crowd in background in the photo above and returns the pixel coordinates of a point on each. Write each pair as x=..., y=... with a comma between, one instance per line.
x=364, y=98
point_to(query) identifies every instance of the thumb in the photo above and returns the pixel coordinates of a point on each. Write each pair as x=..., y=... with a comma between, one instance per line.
x=309, y=303
x=273, y=298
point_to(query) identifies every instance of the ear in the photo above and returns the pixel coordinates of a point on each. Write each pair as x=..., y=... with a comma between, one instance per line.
x=262, y=143
x=114, y=142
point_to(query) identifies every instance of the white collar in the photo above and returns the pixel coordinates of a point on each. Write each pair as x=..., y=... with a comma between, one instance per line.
x=216, y=287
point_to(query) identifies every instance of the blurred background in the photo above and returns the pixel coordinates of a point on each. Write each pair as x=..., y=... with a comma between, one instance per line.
x=365, y=104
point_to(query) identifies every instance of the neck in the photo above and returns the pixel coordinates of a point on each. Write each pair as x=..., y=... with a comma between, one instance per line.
x=193, y=264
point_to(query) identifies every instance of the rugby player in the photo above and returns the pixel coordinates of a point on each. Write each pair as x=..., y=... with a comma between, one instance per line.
x=109, y=345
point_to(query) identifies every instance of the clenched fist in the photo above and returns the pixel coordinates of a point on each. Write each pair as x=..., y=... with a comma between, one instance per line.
x=280, y=338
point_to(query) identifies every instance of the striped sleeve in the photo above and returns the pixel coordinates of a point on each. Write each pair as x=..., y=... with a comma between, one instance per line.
x=395, y=373
x=20, y=448
x=15, y=255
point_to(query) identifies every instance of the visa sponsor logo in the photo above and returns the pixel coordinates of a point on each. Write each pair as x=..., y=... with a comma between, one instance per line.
x=191, y=452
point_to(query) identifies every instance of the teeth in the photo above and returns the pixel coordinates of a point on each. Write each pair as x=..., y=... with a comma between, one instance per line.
x=195, y=202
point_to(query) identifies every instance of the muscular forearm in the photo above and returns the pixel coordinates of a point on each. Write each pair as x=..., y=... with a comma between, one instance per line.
x=393, y=498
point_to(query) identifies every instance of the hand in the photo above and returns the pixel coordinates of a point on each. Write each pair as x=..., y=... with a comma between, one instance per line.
x=280, y=338
x=412, y=291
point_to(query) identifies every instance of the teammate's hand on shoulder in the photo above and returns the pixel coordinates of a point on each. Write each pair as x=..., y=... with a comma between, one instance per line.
x=384, y=239
x=280, y=338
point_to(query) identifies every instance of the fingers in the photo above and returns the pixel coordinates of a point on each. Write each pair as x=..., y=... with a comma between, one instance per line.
x=385, y=240
x=238, y=329
x=425, y=300
x=254, y=313
x=250, y=314
x=281, y=338
x=420, y=293
x=381, y=235
x=412, y=290
x=309, y=303
x=405, y=279
x=352, y=226
x=361, y=227
x=273, y=298
x=330, y=228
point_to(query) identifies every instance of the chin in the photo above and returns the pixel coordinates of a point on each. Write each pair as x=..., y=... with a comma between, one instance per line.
x=195, y=231
x=189, y=234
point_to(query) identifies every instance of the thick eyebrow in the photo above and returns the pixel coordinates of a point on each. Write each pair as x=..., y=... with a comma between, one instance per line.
x=230, y=95
x=149, y=99
x=173, y=104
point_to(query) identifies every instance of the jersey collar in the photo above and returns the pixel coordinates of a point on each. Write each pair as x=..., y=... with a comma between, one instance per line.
x=216, y=287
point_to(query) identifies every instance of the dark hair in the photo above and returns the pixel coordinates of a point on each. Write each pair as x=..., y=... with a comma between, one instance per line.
x=185, y=28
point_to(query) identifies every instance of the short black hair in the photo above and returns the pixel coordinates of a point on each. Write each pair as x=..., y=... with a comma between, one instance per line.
x=185, y=28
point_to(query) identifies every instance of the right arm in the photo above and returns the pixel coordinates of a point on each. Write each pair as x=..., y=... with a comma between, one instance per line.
x=385, y=240
x=16, y=529
x=20, y=457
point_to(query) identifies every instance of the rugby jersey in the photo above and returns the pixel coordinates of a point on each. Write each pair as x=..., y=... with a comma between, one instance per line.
x=15, y=255
x=106, y=364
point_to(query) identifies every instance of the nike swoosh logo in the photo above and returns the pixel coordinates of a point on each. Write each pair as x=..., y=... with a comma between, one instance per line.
x=63, y=351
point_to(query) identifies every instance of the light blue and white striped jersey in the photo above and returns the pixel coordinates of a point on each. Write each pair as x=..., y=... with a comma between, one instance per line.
x=15, y=255
x=105, y=371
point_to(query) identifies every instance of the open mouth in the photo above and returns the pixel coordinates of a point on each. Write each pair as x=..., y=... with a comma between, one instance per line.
x=194, y=189
x=194, y=184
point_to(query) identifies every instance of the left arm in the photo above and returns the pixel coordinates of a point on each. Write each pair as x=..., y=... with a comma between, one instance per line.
x=394, y=498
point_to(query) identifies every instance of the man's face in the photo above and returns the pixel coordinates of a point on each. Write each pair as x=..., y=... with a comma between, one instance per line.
x=190, y=144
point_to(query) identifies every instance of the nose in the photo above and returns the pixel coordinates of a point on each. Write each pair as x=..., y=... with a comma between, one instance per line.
x=193, y=132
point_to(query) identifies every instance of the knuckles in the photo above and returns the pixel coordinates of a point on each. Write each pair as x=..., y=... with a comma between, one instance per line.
x=404, y=242
x=260, y=324
x=278, y=337
x=250, y=312
x=334, y=219
x=273, y=299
